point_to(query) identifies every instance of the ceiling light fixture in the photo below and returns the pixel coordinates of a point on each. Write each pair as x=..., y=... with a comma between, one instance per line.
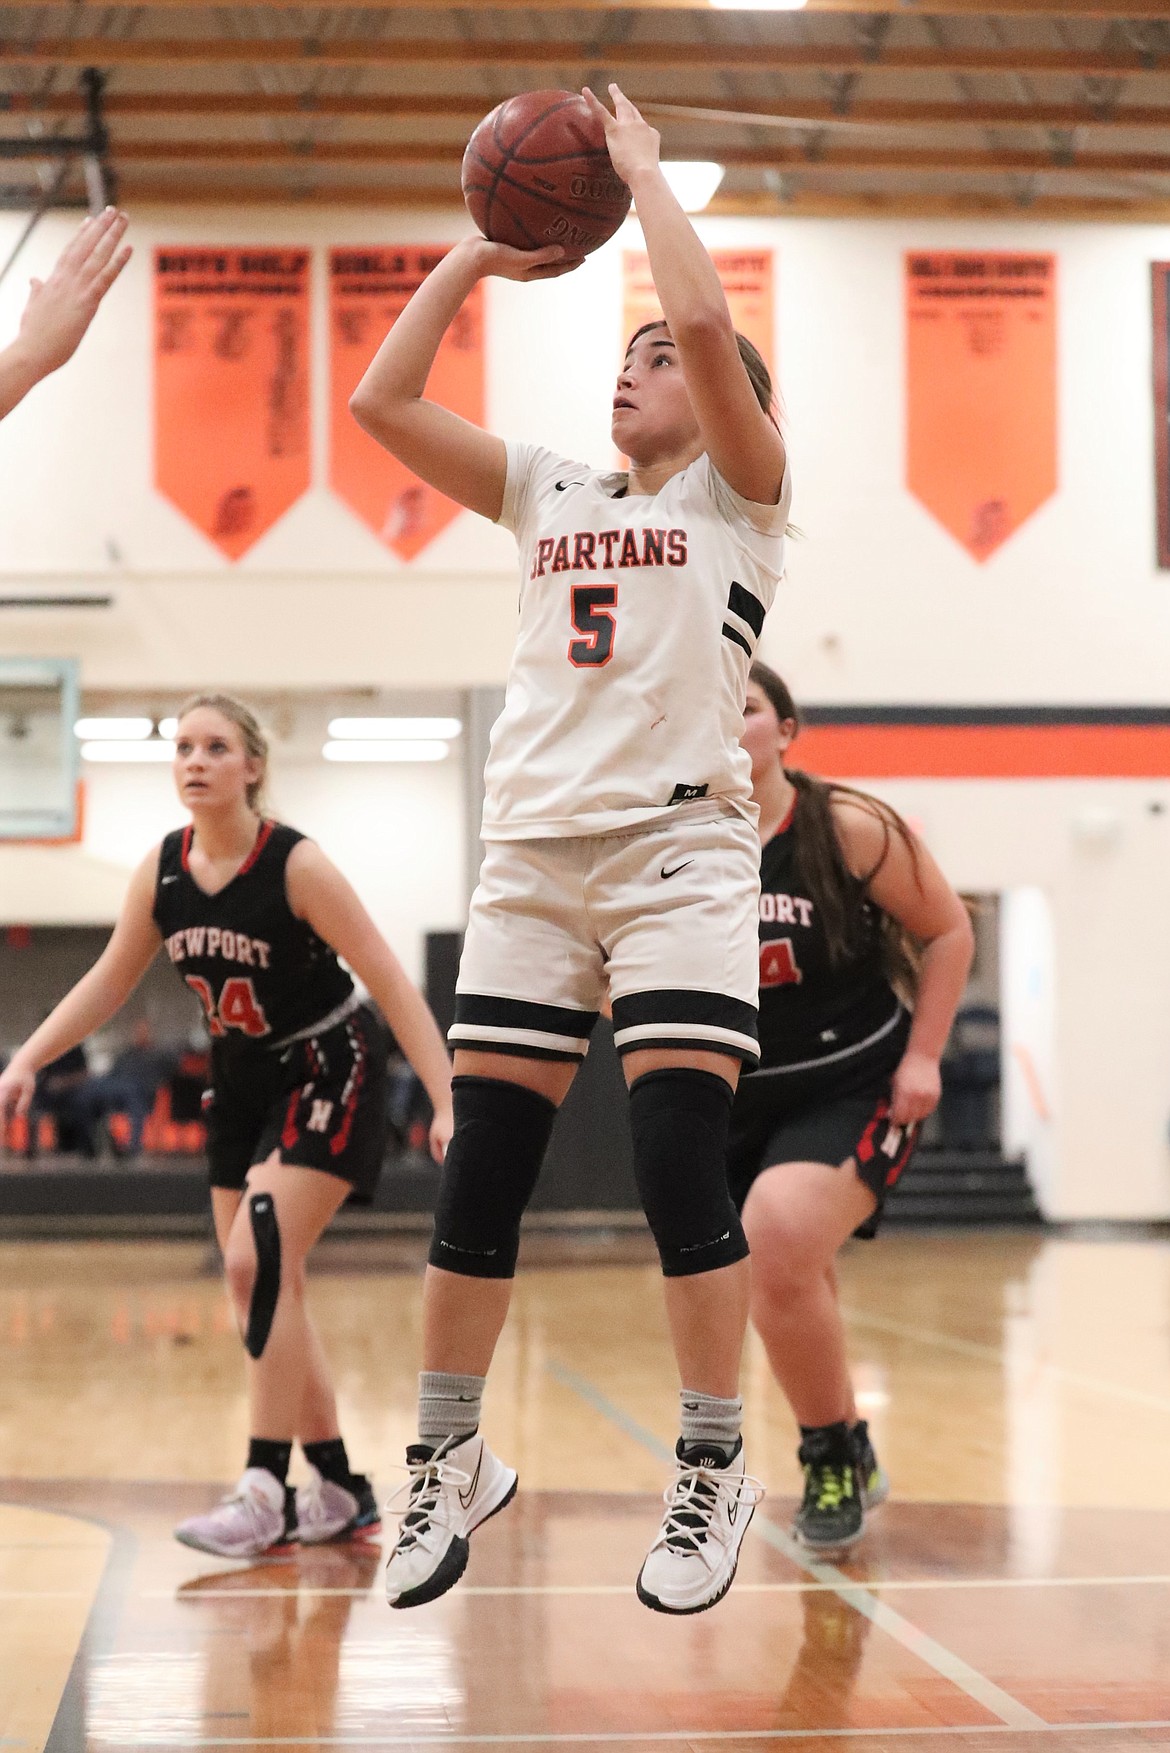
x=385, y=749
x=393, y=729
x=156, y=750
x=120, y=730
x=759, y=5
x=692, y=181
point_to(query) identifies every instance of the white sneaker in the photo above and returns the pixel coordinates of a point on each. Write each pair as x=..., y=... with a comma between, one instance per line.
x=328, y=1511
x=709, y=1504
x=258, y=1517
x=452, y=1490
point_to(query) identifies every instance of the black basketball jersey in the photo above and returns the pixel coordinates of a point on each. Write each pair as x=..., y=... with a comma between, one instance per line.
x=260, y=973
x=813, y=1009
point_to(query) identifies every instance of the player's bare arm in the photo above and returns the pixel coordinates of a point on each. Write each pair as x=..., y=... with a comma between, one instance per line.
x=320, y=895
x=61, y=308
x=908, y=885
x=737, y=435
x=96, y=997
x=463, y=461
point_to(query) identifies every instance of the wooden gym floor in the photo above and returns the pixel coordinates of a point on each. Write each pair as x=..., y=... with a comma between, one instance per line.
x=1014, y=1594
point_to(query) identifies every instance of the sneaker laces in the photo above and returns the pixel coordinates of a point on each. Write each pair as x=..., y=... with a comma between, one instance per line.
x=424, y=1490
x=251, y=1505
x=827, y=1484
x=691, y=1499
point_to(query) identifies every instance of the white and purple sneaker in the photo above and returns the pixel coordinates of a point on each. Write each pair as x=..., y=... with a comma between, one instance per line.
x=256, y=1519
x=328, y=1511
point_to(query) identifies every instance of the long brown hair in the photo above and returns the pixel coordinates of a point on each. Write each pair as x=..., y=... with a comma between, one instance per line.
x=831, y=885
x=251, y=731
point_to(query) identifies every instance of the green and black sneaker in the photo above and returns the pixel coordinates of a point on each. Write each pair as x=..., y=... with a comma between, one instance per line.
x=832, y=1513
x=875, y=1484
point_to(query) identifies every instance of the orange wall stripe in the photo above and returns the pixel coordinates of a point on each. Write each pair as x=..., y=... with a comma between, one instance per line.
x=985, y=751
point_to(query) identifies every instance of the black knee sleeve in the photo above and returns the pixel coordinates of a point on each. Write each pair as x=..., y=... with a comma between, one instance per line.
x=492, y=1164
x=266, y=1289
x=680, y=1119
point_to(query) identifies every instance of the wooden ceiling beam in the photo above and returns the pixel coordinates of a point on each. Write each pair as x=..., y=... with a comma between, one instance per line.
x=471, y=106
x=833, y=159
x=762, y=57
x=1107, y=9
x=141, y=190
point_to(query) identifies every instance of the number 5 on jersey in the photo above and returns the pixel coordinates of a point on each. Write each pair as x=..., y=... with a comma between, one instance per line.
x=590, y=606
x=238, y=1006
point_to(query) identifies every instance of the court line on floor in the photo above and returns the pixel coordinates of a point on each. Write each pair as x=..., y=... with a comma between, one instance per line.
x=875, y=1586
x=927, y=1649
x=646, y=1737
x=993, y=1354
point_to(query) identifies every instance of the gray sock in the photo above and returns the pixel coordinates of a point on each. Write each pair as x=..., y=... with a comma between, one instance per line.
x=707, y=1419
x=449, y=1405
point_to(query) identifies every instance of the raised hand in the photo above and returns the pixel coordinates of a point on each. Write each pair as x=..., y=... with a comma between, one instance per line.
x=61, y=308
x=633, y=144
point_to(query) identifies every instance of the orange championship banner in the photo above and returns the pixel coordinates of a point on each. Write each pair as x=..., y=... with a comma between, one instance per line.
x=231, y=387
x=981, y=390
x=747, y=277
x=368, y=290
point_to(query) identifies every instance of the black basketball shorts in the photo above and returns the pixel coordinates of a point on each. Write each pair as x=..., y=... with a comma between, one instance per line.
x=319, y=1103
x=835, y=1115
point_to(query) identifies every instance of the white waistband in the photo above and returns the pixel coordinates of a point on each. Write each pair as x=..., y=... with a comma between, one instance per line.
x=344, y=1009
x=887, y=1028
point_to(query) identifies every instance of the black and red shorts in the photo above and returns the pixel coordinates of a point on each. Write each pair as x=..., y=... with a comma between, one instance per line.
x=835, y=1114
x=319, y=1103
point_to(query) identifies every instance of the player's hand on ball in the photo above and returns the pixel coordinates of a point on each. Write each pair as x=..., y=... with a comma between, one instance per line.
x=917, y=1089
x=506, y=263
x=633, y=144
x=442, y=1126
x=17, y=1083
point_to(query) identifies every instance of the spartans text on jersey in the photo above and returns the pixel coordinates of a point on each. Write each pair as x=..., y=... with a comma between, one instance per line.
x=591, y=548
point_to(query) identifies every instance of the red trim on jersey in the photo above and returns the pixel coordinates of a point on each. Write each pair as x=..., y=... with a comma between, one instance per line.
x=291, y=1132
x=356, y=1081
x=262, y=839
x=787, y=822
x=185, y=850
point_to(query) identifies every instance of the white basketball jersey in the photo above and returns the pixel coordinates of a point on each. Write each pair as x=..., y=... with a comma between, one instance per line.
x=639, y=617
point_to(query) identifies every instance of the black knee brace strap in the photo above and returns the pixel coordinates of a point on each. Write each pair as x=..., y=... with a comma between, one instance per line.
x=680, y=1119
x=266, y=1290
x=492, y=1164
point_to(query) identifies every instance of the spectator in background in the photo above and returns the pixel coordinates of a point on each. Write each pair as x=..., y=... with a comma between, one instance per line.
x=131, y=1085
x=62, y=1093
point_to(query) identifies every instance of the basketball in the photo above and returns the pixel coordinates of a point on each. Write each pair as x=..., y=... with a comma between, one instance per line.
x=537, y=171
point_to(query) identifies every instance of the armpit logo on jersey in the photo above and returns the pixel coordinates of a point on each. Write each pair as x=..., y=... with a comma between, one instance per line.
x=589, y=550
x=687, y=793
x=209, y=940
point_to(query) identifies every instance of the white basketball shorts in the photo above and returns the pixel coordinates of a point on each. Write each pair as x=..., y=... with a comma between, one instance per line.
x=664, y=918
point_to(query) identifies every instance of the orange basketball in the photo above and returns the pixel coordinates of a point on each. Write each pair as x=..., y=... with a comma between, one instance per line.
x=537, y=171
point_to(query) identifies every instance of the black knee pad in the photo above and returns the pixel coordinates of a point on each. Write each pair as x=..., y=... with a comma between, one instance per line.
x=492, y=1164
x=266, y=1289
x=680, y=1120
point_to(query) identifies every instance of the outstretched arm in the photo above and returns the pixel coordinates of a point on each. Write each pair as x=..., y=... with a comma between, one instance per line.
x=738, y=436
x=97, y=995
x=319, y=894
x=452, y=454
x=61, y=308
